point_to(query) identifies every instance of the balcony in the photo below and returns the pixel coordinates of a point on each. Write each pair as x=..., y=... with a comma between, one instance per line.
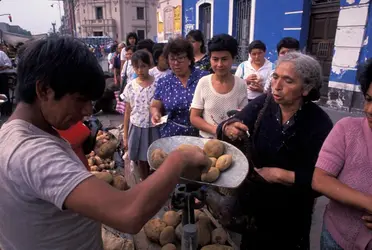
x=98, y=23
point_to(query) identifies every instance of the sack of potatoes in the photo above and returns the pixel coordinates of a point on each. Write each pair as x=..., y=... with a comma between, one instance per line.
x=213, y=149
x=167, y=231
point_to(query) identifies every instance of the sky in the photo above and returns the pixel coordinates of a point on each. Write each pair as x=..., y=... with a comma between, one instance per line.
x=32, y=15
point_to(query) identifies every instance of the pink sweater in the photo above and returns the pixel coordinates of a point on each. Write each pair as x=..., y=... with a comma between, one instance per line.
x=347, y=154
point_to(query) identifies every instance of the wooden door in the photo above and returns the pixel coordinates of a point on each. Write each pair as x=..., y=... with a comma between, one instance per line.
x=323, y=26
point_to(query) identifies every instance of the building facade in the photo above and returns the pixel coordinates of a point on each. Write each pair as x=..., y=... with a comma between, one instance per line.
x=336, y=32
x=169, y=18
x=116, y=18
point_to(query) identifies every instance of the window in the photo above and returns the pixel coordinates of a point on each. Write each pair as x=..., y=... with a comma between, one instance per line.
x=116, y=9
x=99, y=13
x=98, y=33
x=141, y=34
x=84, y=11
x=140, y=13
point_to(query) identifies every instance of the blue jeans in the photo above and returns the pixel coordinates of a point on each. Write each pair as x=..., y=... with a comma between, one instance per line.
x=327, y=242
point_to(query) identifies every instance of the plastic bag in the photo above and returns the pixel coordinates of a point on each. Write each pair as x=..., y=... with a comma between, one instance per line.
x=131, y=173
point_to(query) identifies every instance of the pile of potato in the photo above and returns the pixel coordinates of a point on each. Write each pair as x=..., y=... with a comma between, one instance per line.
x=214, y=149
x=96, y=163
x=168, y=232
x=101, y=161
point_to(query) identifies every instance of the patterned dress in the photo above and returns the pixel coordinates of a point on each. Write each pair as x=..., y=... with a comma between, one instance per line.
x=204, y=64
x=177, y=100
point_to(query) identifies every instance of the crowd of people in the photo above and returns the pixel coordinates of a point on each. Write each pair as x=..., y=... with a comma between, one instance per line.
x=184, y=87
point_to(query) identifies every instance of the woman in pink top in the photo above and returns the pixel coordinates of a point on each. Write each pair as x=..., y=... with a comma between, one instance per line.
x=344, y=174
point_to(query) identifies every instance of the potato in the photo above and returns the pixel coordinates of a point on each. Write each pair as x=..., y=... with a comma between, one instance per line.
x=94, y=168
x=214, y=148
x=107, y=149
x=203, y=216
x=105, y=176
x=120, y=183
x=213, y=161
x=224, y=162
x=98, y=160
x=204, y=232
x=167, y=236
x=211, y=176
x=90, y=162
x=179, y=231
x=197, y=214
x=172, y=218
x=216, y=247
x=153, y=228
x=219, y=236
x=158, y=156
x=111, y=165
x=189, y=147
x=169, y=246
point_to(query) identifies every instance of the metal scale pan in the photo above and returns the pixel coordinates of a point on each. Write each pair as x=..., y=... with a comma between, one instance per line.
x=231, y=178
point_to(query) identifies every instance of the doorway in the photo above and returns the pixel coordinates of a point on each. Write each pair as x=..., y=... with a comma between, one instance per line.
x=242, y=17
x=205, y=20
x=322, y=33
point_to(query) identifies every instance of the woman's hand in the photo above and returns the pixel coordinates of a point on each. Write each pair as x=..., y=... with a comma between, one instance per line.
x=367, y=219
x=235, y=130
x=155, y=118
x=255, y=86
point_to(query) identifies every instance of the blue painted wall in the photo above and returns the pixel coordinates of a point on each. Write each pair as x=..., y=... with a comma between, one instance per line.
x=188, y=16
x=271, y=30
x=221, y=16
x=366, y=51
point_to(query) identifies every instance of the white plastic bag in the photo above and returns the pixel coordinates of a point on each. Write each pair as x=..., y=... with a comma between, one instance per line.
x=130, y=171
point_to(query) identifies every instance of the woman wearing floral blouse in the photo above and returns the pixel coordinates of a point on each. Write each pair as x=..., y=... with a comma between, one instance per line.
x=174, y=92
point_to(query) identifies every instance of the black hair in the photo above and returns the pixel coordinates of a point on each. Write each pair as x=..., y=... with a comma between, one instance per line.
x=114, y=47
x=64, y=64
x=130, y=47
x=131, y=35
x=223, y=42
x=198, y=36
x=180, y=45
x=364, y=75
x=145, y=44
x=142, y=56
x=289, y=43
x=158, y=51
x=257, y=44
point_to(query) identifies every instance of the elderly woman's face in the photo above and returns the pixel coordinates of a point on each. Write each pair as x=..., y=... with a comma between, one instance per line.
x=287, y=87
x=179, y=63
x=368, y=105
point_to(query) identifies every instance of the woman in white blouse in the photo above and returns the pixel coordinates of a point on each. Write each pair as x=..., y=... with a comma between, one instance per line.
x=220, y=92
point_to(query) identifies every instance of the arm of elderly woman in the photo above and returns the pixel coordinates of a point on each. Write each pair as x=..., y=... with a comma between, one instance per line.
x=329, y=165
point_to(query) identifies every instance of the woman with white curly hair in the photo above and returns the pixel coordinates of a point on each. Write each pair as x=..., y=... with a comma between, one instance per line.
x=287, y=131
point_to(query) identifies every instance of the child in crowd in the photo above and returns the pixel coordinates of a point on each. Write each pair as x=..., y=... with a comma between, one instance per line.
x=127, y=75
x=162, y=68
x=139, y=132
